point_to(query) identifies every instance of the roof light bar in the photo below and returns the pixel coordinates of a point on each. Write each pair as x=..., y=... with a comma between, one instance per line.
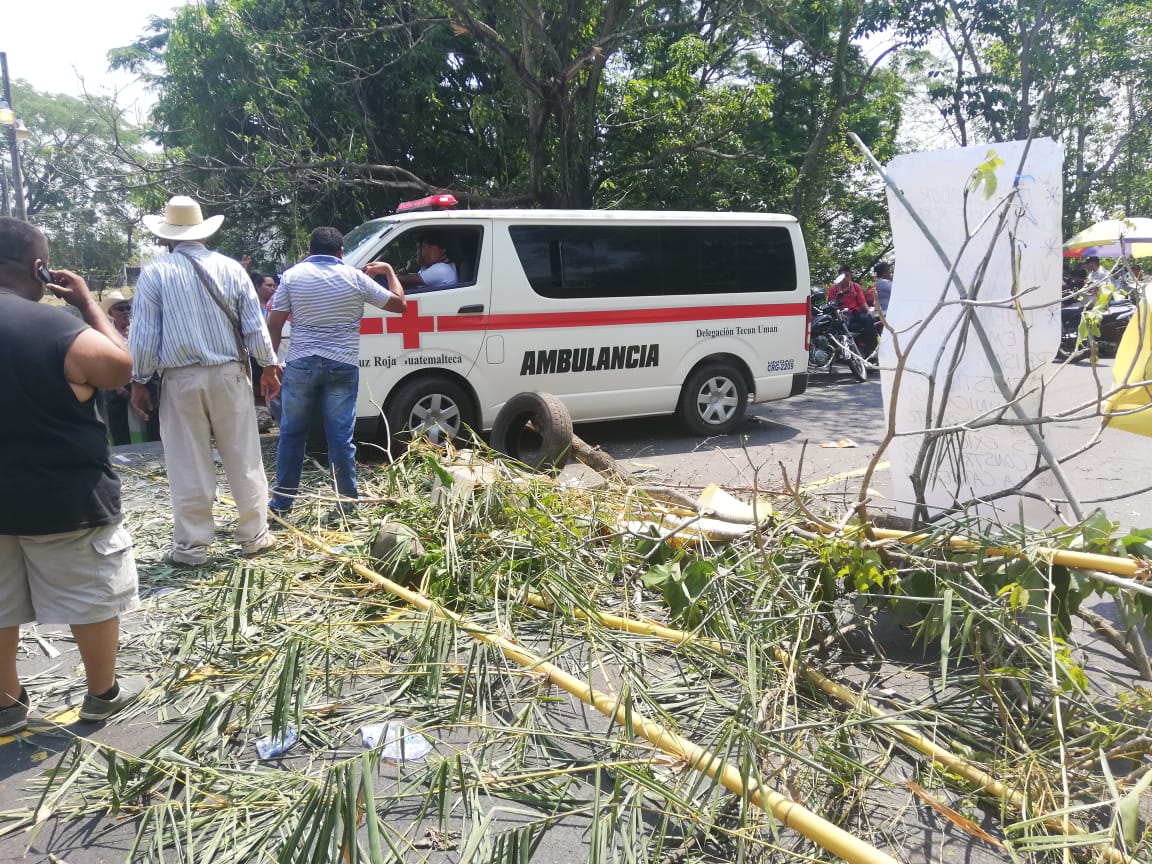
x=432, y=202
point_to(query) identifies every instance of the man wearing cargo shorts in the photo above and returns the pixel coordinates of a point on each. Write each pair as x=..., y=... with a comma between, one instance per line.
x=65, y=557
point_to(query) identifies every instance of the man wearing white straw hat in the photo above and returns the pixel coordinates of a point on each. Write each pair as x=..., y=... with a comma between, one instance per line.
x=196, y=319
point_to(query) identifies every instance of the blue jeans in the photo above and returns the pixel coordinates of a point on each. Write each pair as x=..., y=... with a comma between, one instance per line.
x=314, y=384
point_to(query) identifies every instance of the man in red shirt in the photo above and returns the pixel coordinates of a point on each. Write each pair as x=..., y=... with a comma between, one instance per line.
x=848, y=294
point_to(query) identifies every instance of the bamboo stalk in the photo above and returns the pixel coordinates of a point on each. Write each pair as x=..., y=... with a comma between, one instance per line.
x=980, y=778
x=793, y=815
x=630, y=625
x=1130, y=567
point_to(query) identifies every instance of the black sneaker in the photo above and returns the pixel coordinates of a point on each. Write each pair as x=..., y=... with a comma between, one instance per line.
x=95, y=708
x=14, y=718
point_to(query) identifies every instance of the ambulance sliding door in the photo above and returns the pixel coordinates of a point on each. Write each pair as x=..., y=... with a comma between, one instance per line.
x=564, y=325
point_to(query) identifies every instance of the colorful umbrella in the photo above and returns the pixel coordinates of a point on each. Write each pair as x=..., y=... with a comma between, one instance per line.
x=1112, y=238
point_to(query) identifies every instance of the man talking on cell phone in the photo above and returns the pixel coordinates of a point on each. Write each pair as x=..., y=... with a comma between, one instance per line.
x=65, y=557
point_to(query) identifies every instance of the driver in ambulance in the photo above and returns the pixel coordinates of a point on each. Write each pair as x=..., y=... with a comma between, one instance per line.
x=436, y=269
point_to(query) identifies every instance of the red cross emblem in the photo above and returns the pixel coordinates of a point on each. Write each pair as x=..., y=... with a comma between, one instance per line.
x=411, y=324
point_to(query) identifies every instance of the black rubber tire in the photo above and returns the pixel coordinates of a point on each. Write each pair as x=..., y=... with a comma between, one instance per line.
x=714, y=399
x=534, y=428
x=858, y=365
x=436, y=405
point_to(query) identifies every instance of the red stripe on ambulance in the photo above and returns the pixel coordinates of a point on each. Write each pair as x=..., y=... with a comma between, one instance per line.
x=412, y=324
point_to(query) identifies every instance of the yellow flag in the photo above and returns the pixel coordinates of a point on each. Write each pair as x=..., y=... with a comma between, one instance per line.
x=1130, y=408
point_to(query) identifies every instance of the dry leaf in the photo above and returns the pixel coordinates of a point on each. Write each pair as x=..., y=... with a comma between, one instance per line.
x=840, y=444
x=961, y=822
x=441, y=841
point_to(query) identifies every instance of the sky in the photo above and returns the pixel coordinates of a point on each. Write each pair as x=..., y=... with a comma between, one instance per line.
x=61, y=46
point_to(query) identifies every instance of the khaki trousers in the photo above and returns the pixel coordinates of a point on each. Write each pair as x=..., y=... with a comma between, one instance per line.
x=198, y=403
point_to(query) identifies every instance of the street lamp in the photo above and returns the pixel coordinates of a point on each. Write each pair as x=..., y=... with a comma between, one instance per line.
x=16, y=131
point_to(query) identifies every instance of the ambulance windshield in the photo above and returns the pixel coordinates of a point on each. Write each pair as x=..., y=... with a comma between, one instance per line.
x=361, y=242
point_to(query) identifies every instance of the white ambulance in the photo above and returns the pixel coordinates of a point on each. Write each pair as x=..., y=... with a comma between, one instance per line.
x=617, y=313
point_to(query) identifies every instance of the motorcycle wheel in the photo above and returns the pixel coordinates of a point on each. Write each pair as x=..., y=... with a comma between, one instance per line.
x=858, y=365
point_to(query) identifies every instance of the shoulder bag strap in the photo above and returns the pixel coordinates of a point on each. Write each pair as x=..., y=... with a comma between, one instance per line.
x=230, y=313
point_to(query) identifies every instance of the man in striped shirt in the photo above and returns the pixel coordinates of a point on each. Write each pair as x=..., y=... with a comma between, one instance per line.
x=325, y=299
x=193, y=308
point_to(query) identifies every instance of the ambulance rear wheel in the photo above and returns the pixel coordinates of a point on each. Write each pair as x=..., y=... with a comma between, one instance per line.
x=534, y=428
x=714, y=399
x=438, y=409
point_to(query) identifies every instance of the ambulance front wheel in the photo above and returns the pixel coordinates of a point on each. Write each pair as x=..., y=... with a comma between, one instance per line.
x=534, y=428
x=714, y=399
x=438, y=409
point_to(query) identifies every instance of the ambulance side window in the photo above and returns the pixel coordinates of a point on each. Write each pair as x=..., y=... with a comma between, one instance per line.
x=599, y=261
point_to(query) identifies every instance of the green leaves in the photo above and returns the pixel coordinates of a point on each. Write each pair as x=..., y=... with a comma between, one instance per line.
x=78, y=180
x=1128, y=810
x=983, y=178
x=865, y=568
x=683, y=588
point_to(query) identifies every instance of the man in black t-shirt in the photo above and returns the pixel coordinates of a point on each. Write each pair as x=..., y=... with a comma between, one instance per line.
x=65, y=557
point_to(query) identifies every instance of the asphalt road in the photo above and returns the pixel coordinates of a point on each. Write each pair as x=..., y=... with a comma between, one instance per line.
x=788, y=435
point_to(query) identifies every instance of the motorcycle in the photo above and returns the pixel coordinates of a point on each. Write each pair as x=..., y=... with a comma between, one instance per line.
x=830, y=341
x=1113, y=322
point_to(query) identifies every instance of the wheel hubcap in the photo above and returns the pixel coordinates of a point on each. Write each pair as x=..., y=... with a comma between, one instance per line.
x=717, y=400
x=437, y=417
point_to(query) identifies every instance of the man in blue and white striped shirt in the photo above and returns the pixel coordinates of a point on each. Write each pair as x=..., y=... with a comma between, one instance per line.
x=325, y=299
x=182, y=332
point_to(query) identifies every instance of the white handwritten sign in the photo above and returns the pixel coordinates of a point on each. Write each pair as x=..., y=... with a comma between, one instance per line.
x=948, y=381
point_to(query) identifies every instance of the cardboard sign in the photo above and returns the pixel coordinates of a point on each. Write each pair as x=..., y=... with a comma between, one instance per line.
x=948, y=381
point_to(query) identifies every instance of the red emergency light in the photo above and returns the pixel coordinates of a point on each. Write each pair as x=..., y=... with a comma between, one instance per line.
x=432, y=202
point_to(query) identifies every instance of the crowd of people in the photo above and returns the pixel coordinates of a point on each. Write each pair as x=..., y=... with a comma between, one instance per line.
x=125, y=426
x=184, y=355
x=857, y=300
x=212, y=332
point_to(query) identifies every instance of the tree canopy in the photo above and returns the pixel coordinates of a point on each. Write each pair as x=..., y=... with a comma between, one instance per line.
x=75, y=178
x=285, y=114
x=1077, y=70
x=289, y=114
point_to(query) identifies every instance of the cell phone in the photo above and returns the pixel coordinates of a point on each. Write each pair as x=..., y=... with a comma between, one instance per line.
x=43, y=273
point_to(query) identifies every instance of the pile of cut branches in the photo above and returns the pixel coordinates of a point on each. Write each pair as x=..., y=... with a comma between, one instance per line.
x=860, y=682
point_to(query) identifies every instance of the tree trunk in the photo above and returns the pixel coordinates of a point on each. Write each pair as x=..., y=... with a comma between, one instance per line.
x=1024, y=116
x=805, y=193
